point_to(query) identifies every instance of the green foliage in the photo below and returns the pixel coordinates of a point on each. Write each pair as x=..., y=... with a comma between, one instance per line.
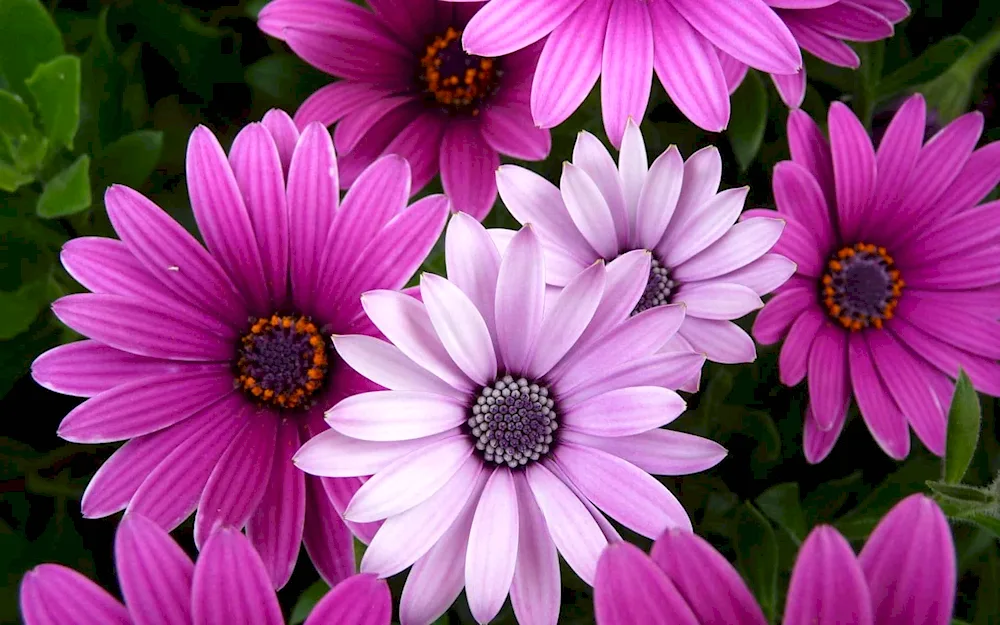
x=964, y=419
x=68, y=192
x=28, y=37
x=757, y=556
x=748, y=120
x=55, y=85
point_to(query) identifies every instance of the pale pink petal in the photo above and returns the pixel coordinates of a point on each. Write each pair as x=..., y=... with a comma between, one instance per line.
x=590, y=155
x=588, y=210
x=692, y=232
x=473, y=264
x=668, y=370
x=624, y=411
x=660, y=452
x=395, y=415
x=627, y=67
x=493, y=544
x=719, y=340
x=520, y=300
x=534, y=592
x=384, y=364
x=567, y=319
x=460, y=327
x=658, y=198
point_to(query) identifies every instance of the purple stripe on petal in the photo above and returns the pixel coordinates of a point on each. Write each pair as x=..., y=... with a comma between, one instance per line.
x=777, y=316
x=623, y=491
x=146, y=405
x=223, y=219
x=630, y=590
x=275, y=528
x=409, y=481
x=87, y=368
x=794, y=357
x=571, y=59
x=535, y=591
x=154, y=573
x=52, y=594
x=256, y=163
x=713, y=589
x=816, y=443
x=880, y=412
x=239, y=480
x=231, y=584
x=574, y=531
x=659, y=451
x=504, y=26
x=406, y=537
x=493, y=546
x=468, y=168
x=171, y=491
x=909, y=562
x=829, y=391
x=358, y=600
x=688, y=66
x=327, y=539
x=173, y=256
x=810, y=149
x=627, y=67
x=146, y=329
x=854, y=168
x=284, y=133
x=328, y=105
x=827, y=584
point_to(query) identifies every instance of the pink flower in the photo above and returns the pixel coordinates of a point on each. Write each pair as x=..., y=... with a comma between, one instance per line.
x=905, y=575
x=624, y=41
x=821, y=27
x=214, y=363
x=897, y=285
x=408, y=88
x=228, y=585
x=672, y=208
x=514, y=415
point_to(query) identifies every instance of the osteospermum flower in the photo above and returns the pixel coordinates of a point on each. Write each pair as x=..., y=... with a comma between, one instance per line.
x=407, y=87
x=821, y=27
x=229, y=585
x=624, y=41
x=673, y=209
x=215, y=364
x=512, y=417
x=897, y=285
x=905, y=575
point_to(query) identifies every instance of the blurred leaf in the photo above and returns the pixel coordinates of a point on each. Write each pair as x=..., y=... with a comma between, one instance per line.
x=68, y=192
x=285, y=78
x=987, y=522
x=130, y=159
x=934, y=61
x=307, y=601
x=782, y=504
x=962, y=492
x=100, y=91
x=21, y=307
x=15, y=458
x=15, y=117
x=908, y=479
x=56, y=88
x=16, y=354
x=28, y=36
x=951, y=92
x=757, y=556
x=964, y=420
x=826, y=500
x=869, y=75
x=748, y=120
x=11, y=179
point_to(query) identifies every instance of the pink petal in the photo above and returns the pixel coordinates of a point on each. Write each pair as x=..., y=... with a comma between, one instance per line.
x=794, y=357
x=744, y=243
x=566, y=321
x=791, y=87
x=798, y=195
x=493, y=544
x=384, y=364
x=468, y=169
x=810, y=149
x=827, y=584
x=590, y=155
x=589, y=211
x=328, y=105
x=621, y=490
x=777, y=316
x=851, y=21
x=473, y=264
x=658, y=199
x=660, y=452
x=626, y=279
x=764, y=275
x=327, y=539
x=668, y=370
x=358, y=600
x=395, y=415
x=231, y=584
x=720, y=340
x=154, y=573
x=509, y=129
x=816, y=443
x=520, y=300
x=854, y=168
x=52, y=594
x=88, y=368
x=719, y=301
x=460, y=327
x=505, y=26
x=630, y=590
x=692, y=232
x=535, y=590
x=627, y=66
x=829, y=392
x=880, y=412
x=625, y=411
x=284, y=133
x=909, y=562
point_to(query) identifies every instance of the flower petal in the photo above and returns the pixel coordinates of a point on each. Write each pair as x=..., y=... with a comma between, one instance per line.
x=327, y=539
x=660, y=452
x=588, y=210
x=505, y=26
x=460, y=327
x=88, y=368
x=231, y=584
x=630, y=590
x=535, y=590
x=827, y=584
x=493, y=543
x=625, y=411
x=52, y=594
x=854, y=168
x=567, y=319
x=627, y=67
x=468, y=169
x=520, y=301
x=154, y=573
x=395, y=415
x=829, y=392
x=880, y=412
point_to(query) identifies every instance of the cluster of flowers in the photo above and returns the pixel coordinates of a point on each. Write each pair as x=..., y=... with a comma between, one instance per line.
x=481, y=425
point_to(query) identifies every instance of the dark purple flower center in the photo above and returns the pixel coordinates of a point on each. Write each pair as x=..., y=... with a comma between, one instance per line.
x=861, y=286
x=513, y=422
x=281, y=362
x=659, y=288
x=454, y=80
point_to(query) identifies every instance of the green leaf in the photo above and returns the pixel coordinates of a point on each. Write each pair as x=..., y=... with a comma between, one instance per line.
x=21, y=307
x=56, y=88
x=964, y=421
x=934, y=61
x=782, y=504
x=130, y=159
x=16, y=119
x=910, y=478
x=757, y=556
x=28, y=36
x=962, y=492
x=101, y=91
x=68, y=192
x=284, y=78
x=307, y=601
x=951, y=92
x=748, y=120
x=11, y=179
x=989, y=523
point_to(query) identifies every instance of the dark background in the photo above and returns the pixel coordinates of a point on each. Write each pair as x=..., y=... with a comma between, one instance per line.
x=169, y=66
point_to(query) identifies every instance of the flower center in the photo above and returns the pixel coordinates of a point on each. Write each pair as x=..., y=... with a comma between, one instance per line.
x=659, y=288
x=861, y=286
x=282, y=362
x=457, y=81
x=512, y=421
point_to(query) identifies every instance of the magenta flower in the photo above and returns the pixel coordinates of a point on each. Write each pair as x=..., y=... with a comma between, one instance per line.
x=408, y=88
x=821, y=27
x=214, y=364
x=513, y=415
x=897, y=285
x=624, y=41
x=905, y=575
x=229, y=585
x=671, y=208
